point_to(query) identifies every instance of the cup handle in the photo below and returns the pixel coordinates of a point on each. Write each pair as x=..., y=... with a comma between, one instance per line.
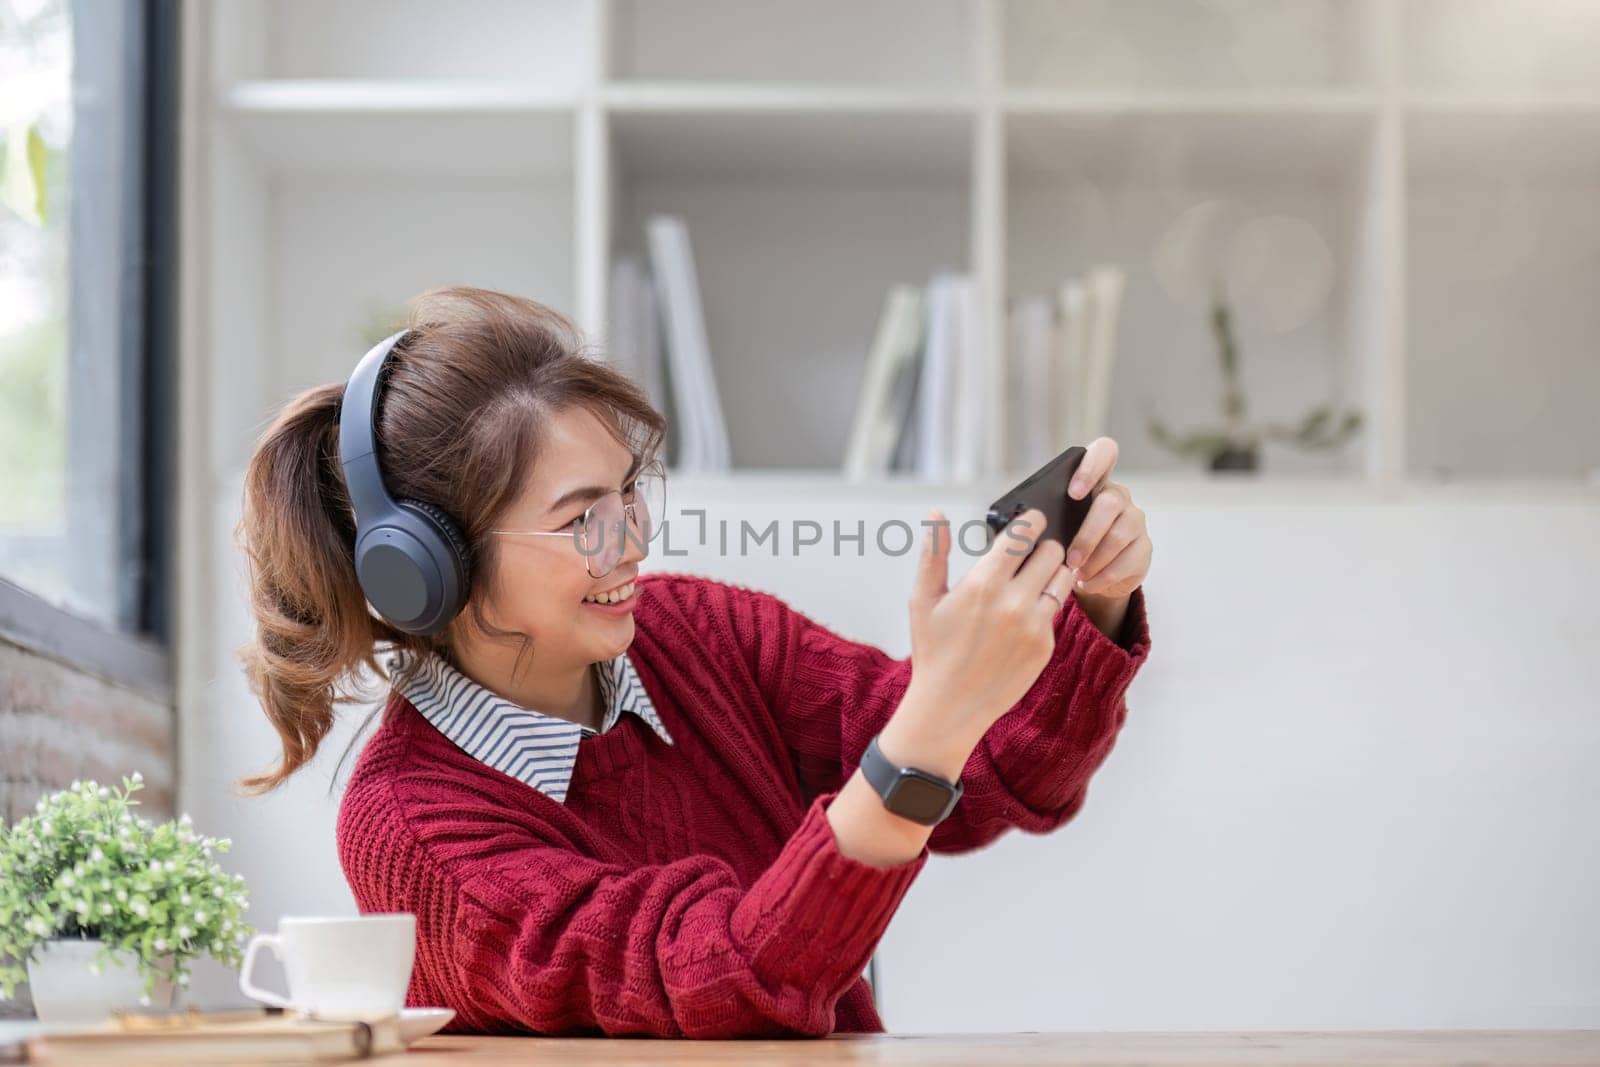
x=248, y=987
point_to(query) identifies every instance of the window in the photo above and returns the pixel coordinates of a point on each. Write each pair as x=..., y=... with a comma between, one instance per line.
x=87, y=276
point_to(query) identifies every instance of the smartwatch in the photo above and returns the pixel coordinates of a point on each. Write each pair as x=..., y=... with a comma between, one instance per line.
x=912, y=794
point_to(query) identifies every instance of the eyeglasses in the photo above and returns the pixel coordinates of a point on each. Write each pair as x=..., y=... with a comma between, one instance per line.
x=602, y=532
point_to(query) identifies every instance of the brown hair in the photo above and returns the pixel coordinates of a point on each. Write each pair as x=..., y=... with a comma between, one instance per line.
x=466, y=399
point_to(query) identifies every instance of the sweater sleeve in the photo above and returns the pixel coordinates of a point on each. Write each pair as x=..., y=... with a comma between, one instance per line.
x=1031, y=770
x=559, y=942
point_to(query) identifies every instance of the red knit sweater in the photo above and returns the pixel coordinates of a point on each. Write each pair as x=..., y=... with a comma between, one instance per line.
x=696, y=889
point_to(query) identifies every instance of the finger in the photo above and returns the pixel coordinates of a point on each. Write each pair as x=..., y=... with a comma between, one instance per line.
x=1127, y=529
x=1060, y=584
x=1100, y=457
x=1122, y=574
x=1103, y=512
x=1037, y=570
x=933, y=566
x=1011, y=546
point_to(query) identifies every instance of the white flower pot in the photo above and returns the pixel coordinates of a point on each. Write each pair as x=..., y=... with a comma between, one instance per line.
x=65, y=990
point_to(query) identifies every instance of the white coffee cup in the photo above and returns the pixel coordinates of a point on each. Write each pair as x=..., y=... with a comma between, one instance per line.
x=339, y=968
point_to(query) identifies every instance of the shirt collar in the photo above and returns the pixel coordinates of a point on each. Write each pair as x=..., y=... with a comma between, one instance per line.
x=528, y=745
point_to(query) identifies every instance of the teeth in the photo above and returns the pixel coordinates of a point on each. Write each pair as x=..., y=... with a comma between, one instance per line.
x=612, y=597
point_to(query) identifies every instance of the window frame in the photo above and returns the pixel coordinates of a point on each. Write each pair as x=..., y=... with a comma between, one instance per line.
x=137, y=653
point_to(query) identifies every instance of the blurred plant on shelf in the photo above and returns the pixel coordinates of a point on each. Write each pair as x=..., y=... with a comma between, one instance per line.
x=1236, y=445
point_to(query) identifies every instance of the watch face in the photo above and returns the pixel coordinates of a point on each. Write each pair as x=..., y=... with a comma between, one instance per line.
x=916, y=798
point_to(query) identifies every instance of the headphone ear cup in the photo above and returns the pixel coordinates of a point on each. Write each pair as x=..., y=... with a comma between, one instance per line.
x=452, y=544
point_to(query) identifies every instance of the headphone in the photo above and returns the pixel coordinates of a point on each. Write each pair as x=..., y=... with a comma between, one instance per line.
x=413, y=564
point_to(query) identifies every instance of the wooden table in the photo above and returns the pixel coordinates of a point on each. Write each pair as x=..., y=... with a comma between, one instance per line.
x=1422, y=1048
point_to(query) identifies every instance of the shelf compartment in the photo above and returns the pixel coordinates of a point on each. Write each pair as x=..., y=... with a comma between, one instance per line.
x=1187, y=44
x=785, y=144
x=1493, y=48
x=799, y=223
x=343, y=253
x=1272, y=204
x=1503, y=261
x=540, y=42
x=1198, y=144
x=926, y=43
x=1241, y=103
x=1507, y=140
x=639, y=97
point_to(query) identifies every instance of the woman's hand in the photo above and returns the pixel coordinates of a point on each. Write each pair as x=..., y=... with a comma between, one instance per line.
x=976, y=649
x=1111, y=552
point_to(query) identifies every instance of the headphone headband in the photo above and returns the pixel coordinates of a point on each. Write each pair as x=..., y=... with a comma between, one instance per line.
x=358, y=432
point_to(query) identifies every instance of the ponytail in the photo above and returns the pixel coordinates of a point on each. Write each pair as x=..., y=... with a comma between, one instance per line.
x=297, y=533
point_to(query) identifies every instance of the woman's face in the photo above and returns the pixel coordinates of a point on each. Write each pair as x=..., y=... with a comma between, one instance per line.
x=543, y=585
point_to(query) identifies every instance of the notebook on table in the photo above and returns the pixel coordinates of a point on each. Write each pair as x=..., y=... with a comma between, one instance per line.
x=217, y=1037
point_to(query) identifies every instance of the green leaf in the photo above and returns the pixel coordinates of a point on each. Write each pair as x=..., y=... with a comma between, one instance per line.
x=1315, y=421
x=22, y=184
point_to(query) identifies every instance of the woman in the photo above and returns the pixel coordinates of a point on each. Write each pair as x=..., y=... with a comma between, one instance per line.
x=713, y=864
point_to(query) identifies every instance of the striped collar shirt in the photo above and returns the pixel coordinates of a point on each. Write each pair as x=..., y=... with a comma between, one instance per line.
x=528, y=745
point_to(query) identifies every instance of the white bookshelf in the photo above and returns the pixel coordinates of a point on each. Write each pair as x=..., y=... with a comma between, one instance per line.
x=343, y=155
x=1403, y=195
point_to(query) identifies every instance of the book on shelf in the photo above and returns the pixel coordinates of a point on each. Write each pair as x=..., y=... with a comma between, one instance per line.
x=702, y=431
x=931, y=400
x=1030, y=382
x=936, y=392
x=905, y=402
x=219, y=1037
x=1105, y=285
x=635, y=344
x=886, y=385
x=926, y=398
x=1071, y=346
x=635, y=341
x=1061, y=352
x=973, y=380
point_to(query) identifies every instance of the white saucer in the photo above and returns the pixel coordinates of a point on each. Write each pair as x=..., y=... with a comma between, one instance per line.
x=418, y=1023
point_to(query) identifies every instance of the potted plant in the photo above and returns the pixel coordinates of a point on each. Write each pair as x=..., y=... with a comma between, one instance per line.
x=1236, y=445
x=107, y=910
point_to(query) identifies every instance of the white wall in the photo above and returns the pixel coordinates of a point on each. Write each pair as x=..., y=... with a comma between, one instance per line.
x=1355, y=787
x=283, y=843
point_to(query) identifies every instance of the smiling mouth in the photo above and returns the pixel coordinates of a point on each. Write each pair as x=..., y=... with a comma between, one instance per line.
x=612, y=596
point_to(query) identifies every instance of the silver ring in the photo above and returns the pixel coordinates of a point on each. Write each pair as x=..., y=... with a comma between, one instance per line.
x=1059, y=602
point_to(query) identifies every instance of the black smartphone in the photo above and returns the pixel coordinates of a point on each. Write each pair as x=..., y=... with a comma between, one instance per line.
x=1046, y=489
